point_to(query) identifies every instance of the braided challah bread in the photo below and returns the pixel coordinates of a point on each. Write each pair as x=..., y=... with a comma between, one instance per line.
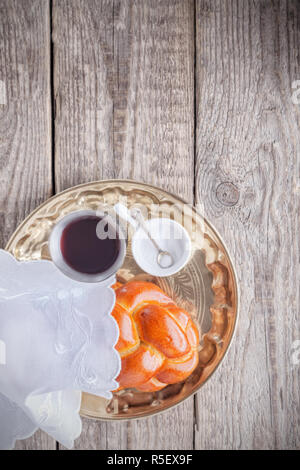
x=158, y=341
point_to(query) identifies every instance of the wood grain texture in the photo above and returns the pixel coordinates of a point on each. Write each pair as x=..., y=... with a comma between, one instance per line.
x=247, y=173
x=153, y=140
x=83, y=78
x=123, y=86
x=25, y=124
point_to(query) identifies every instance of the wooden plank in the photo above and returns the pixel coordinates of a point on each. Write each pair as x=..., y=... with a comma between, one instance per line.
x=25, y=124
x=83, y=80
x=153, y=140
x=83, y=92
x=248, y=143
x=123, y=83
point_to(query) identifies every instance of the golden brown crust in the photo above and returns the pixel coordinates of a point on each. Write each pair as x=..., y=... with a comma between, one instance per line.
x=158, y=328
x=174, y=372
x=128, y=335
x=139, y=367
x=158, y=341
x=134, y=293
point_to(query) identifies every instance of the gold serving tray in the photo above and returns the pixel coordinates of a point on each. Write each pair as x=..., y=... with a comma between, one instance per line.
x=206, y=286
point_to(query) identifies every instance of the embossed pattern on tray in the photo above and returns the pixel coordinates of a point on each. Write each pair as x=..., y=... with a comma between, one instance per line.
x=206, y=287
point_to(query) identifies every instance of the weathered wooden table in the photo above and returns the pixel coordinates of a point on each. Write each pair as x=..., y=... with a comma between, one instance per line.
x=201, y=99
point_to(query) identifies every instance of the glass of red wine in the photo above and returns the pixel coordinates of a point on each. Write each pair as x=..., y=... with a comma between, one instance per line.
x=88, y=247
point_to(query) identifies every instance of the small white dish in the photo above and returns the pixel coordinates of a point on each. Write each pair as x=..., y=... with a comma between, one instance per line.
x=170, y=236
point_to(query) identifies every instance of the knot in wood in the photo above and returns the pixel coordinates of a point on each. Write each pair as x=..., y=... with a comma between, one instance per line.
x=227, y=194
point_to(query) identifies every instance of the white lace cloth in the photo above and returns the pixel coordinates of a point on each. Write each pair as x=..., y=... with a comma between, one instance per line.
x=57, y=339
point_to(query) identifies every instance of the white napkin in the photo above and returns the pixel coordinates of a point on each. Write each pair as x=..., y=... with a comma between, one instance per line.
x=58, y=338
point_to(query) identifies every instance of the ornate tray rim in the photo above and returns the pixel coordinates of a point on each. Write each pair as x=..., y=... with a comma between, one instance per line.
x=235, y=286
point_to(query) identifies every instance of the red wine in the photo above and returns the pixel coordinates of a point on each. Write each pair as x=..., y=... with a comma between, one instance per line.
x=84, y=251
